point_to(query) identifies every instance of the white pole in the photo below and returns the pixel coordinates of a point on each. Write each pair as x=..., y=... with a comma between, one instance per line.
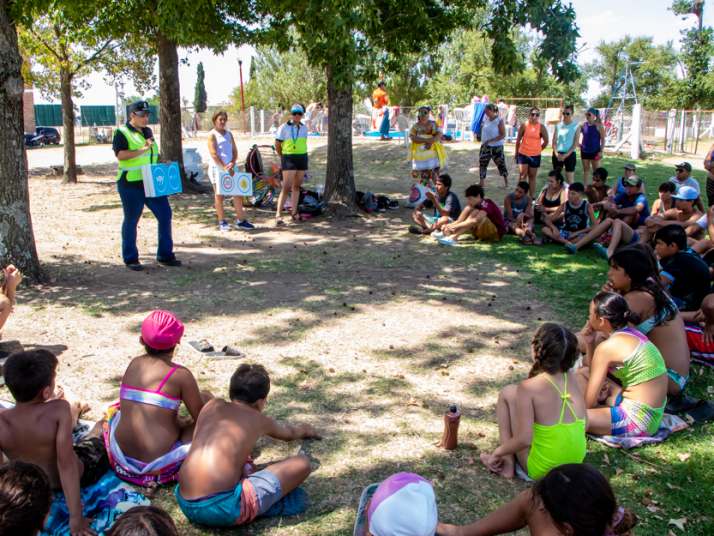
x=636, y=132
x=682, y=128
x=262, y=121
x=252, y=121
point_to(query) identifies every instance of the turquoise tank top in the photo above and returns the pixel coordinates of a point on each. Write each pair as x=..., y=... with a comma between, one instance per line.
x=566, y=136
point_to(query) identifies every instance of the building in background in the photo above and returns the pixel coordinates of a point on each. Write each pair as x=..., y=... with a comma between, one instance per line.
x=28, y=109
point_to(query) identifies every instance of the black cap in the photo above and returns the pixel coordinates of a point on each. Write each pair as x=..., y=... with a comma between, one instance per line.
x=139, y=106
x=684, y=165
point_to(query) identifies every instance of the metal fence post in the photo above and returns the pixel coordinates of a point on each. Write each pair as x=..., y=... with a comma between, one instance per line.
x=262, y=121
x=682, y=130
x=252, y=121
x=636, y=132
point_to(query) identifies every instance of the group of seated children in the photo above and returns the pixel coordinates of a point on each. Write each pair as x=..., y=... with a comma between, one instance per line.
x=146, y=442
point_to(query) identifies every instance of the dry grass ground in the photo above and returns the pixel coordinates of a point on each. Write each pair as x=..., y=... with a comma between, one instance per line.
x=368, y=332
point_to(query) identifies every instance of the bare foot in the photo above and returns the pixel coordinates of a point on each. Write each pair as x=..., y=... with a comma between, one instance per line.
x=78, y=409
x=508, y=467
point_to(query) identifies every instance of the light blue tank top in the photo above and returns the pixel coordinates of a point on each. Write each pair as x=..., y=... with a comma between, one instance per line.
x=566, y=136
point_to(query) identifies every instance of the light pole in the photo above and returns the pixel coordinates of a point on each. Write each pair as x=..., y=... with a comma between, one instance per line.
x=242, y=96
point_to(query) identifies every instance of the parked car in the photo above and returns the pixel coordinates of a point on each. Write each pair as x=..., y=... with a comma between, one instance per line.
x=43, y=136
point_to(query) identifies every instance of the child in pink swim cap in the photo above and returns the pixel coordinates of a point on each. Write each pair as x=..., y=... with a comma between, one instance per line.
x=144, y=438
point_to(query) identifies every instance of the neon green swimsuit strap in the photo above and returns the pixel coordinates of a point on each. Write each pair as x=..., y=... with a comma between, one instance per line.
x=565, y=397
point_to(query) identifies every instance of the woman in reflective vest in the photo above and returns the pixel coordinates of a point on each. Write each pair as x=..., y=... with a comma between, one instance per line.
x=291, y=145
x=134, y=147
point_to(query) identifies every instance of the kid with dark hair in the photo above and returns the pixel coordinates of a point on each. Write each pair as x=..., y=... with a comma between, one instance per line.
x=684, y=273
x=571, y=220
x=518, y=212
x=217, y=487
x=481, y=217
x=573, y=499
x=152, y=390
x=633, y=274
x=664, y=201
x=39, y=430
x=598, y=190
x=25, y=499
x=634, y=361
x=144, y=521
x=444, y=204
x=541, y=421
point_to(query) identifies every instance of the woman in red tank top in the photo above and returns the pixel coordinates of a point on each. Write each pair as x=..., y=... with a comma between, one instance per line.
x=532, y=139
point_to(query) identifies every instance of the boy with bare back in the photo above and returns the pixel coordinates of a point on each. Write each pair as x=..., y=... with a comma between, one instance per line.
x=39, y=430
x=216, y=486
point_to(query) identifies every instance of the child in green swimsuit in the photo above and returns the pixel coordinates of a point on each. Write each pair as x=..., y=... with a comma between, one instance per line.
x=634, y=362
x=542, y=420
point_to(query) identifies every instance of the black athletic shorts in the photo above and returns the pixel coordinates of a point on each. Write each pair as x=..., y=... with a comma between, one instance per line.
x=568, y=163
x=294, y=162
x=93, y=455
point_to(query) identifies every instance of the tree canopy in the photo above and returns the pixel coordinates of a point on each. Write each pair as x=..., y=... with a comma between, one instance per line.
x=200, y=98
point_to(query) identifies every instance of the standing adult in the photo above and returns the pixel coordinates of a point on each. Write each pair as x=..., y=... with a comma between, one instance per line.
x=591, y=143
x=532, y=139
x=565, y=142
x=709, y=167
x=224, y=153
x=493, y=133
x=135, y=147
x=291, y=145
x=380, y=103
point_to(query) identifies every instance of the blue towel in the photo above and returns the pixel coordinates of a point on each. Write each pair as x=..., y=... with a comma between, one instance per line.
x=102, y=502
x=479, y=109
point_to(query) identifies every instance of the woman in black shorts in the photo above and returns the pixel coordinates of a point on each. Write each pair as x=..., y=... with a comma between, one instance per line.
x=291, y=145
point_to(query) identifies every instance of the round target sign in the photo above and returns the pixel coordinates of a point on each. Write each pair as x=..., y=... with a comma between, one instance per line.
x=227, y=182
x=244, y=183
x=160, y=182
x=174, y=178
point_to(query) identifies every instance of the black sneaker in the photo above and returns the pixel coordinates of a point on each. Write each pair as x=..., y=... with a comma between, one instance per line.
x=170, y=262
x=135, y=266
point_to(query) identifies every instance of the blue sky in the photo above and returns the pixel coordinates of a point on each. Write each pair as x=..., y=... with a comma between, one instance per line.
x=597, y=19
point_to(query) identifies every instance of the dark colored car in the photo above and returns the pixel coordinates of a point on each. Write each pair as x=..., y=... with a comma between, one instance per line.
x=43, y=136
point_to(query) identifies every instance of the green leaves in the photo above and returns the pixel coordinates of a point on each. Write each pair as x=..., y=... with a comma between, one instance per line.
x=200, y=98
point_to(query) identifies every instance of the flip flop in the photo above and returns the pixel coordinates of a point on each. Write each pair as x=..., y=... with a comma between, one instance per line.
x=232, y=351
x=202, y=346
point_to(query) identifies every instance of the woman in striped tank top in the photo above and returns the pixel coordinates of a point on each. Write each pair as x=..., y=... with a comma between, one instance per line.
x=532, y=139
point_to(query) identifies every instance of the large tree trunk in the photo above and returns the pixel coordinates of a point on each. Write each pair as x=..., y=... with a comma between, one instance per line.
x=170, y=90
x=17, y=243
x=340, y=180
x=70, y=156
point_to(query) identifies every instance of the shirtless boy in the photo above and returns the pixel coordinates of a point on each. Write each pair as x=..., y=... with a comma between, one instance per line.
x=214, y=489
x=39, y=430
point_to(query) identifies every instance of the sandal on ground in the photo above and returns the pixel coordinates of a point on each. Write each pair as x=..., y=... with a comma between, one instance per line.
x=202, y=346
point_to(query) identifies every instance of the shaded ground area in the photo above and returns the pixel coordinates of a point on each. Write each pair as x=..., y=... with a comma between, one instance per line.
x=368, y=332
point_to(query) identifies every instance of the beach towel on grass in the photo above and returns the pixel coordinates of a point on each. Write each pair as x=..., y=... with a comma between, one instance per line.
x=102, y=502
x=670, y=424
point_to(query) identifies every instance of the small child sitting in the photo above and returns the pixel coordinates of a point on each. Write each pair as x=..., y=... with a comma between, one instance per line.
x=144, y=521
x=39, y=430
x=216, y=486
x=542, y=419
x=572, y=219
x=571, y=499
x=144, y=437
x=444, y=204
x=664, y=201
x=518, y=213
x=402, y=505
x=25, y=499
x=481, y=217
x=684, y=273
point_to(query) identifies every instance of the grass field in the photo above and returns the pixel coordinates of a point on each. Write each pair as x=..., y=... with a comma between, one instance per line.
x=368, y=332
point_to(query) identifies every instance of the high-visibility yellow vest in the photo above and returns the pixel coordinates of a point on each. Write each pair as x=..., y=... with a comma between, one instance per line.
x=133, y=166
x=294, y=143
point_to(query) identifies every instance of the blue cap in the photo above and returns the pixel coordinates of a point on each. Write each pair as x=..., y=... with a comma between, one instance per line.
x=593, y=111
x=297, y=109
x=686, y=193
x=140, y=107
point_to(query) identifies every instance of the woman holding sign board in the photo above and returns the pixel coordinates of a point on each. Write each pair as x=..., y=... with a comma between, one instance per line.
x=135, y=148
x=223, y=151
x=291, y=145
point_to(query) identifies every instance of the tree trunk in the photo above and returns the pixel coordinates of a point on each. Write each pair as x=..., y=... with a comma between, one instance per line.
x=170, y=117
x=17, y=242
x=70, y=156
x=340, y=180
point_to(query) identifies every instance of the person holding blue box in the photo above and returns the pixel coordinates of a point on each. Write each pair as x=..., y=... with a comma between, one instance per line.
x=135, y=147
